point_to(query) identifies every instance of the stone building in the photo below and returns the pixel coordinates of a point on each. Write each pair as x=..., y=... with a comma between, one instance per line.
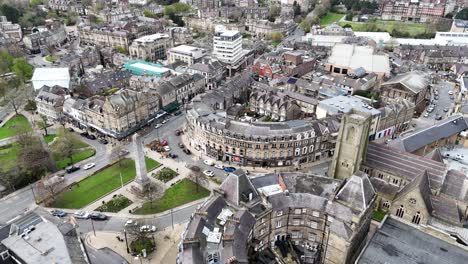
x=326, y=219
x=186, y=54
x=180, y=35
x=277, y=106
x=417, y=11
x=67, y=6
x=50, y=100
x=104, y=37
x=41, y=38
x=213, y=72
x=264, y=28
x=395, y=118
x=412, y=86
x=151, y=47
x=10, y=30
x=254, y=143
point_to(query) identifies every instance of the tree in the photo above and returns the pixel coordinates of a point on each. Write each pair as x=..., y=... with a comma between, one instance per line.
x=64, y=145
x=42, y=124
x=235, y=15
x=296, y=9
x=152, y=192
x=6, y=60
x=196, y=175
x=118, y=153
x=121, y=50
x=48, y=188
x=34, y=161
x=8, y=178
x=275, y=11
x=22, y=69
x=11, y=13
x=305, y=25
x=276, y=36
x=139, y=240
x=149, y=14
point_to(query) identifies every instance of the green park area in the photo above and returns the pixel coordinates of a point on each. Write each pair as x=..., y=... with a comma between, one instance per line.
x=151, y=164
x=116, y=204
x=330, y=18
x=11, y=127
x=81, y=149
x=49, y=138
x=63, y=162
x=181, y=193
x=8, y=154
x=395, y=28
x=378, y=215
x=97, y=185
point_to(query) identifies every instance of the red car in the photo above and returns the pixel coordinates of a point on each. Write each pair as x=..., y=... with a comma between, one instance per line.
x=164, y=142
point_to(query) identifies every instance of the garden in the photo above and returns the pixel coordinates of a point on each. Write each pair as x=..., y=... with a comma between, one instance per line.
x=180, y=193
x=116, y=204
x=97, y=185
x=151, y=164
x=11, y=127
x=165, y=174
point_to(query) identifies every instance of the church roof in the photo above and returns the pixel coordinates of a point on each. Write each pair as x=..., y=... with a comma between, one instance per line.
x=435, y=155
x=237, y=188
x=357, y=192
x=420, y=183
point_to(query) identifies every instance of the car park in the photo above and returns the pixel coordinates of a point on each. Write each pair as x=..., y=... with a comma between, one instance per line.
x=229, y=169
x=208, y=173
x=72, y=169
x=148, y=228
x=89, y=166
x=58, y=213
x=81, y=215
x=98, y=216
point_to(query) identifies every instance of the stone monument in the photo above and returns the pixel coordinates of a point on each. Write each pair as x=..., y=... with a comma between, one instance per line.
x=140, y=164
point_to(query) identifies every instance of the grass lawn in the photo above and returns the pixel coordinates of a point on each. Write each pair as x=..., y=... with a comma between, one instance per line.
x=49, y=138
x=177, y=195
x=97, y=185
x=151, y=164
x=387, y=26
x=275, y=43
x=378, y=215
x=330, y=18
x=62, y=162
x=165, y=174
x=9, y=128
x=8, y=156
x=115, y=205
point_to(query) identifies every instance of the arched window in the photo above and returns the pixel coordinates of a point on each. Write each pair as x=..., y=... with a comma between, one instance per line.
x=400, y=211
x=386, y=204
x=416, y=218
x=351, y=133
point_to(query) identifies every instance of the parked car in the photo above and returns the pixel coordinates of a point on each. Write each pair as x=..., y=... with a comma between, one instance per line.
x=81, y=215
x=187, y=151
x=179, y=132
x=158, y=126
x=446, y=109
x=167, y=148
x=450, y=92
x=438, y=117
x=58, y=213
x=181, y=146
x=164, y=121
x=177, y=113
x=92, y=137
x=103, y=141
x=72, y=169
x=71, y=129
x=219, y=166
x=98, y=216
x=426, y=115
x=229, y=169
x=452, y=97
x=148, y=228
x=89, y=166
x=131, y=223
x=209, y=173
x=436, y=97
x=172, y=155
x=84, y=134
x=209, y=162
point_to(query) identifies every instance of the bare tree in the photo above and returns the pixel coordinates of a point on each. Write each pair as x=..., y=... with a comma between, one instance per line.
x=49, y=187
x=24, y=136
x=64, y=145
x=8, y=178
x=42, y=124
x=152, y=192
x=34, y=160
x=196, y=175
x=118, y=153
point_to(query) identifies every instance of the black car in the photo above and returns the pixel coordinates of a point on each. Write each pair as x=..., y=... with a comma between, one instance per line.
x=98, y=216
x=173, y=155
x=71, y=129
x=92, y=137
x=438, y=117
x=58, y=213
x=187, y=151
x=84, y=134
x=181, y=146
x=177, y=113
x=103, y=141
x=72, y=169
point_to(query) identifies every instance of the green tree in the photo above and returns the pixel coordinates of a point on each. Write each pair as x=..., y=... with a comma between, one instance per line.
x=296, y=9
x=276, y=36
x=305, y=25
x=42, y=124
x=463, y=14
x=12, y=14
x=64, y=145
x=149, y=14
x=275, y=11
x=22, y=69
x=121, y=49
x=6, y=60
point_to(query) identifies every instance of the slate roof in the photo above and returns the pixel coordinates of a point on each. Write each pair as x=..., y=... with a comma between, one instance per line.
x=383, y=187
x=398, y=243
x=282, y=201
x=357, y=192
x=414, y=81
x=404, y=164
x=236, y=237
x=442, y=129
x=237, y=188
x=421, y=184
x=454, y=185
x=445, y=209
x=435, y=155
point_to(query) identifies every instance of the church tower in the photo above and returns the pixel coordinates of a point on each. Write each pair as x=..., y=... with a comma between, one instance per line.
x=351, y=145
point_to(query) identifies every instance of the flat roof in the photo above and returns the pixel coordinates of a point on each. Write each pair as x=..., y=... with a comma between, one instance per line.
x=151, y=38
x=140, y=67
x=186, y=49
x=41, y=74
x=353, y=57
x=399, y=243
x=345, y=104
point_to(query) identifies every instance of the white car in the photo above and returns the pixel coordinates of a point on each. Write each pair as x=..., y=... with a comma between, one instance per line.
x=426, y=115
x=158, y=126
x=209, y=162
x=167, y=148
x=148, y=228
x=81, y=214
x=450, y=92
x=164, y=121
x=209, y=173
x=219, y=166
x=131, y=223
x=89, y=166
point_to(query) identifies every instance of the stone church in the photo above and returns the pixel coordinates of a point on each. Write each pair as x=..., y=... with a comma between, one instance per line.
x=419, y=190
